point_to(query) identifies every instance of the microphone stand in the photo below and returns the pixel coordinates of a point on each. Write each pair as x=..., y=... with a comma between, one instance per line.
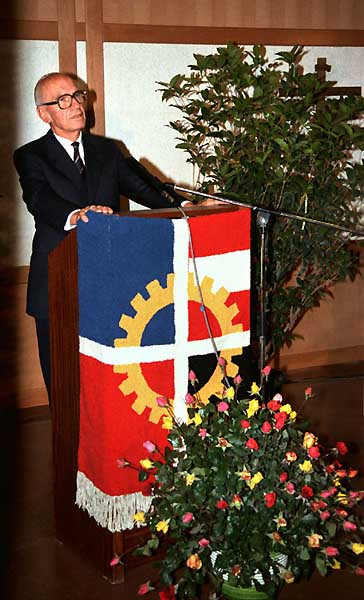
x=263, y=215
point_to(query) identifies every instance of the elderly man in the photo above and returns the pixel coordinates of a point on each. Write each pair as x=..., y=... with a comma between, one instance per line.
x=65, y=174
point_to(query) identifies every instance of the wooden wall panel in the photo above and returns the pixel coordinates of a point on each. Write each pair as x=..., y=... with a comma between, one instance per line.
x=296, y=14
x=67, y=35
x=36, y=10
x=95, y=60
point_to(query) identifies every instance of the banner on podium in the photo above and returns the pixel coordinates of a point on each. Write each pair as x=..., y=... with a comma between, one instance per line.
x=141, y=329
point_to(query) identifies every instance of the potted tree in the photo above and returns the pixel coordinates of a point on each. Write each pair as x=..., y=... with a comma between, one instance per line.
x=264, y=132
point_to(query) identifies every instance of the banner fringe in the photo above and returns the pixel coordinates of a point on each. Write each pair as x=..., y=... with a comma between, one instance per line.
x=113, y=512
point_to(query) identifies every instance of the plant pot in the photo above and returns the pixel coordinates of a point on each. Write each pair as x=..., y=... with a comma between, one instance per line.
x=238, y=593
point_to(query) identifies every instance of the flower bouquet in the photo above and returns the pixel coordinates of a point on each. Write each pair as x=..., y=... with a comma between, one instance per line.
x=240, y=483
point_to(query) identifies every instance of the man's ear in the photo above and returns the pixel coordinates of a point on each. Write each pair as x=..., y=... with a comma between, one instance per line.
x=43, y=114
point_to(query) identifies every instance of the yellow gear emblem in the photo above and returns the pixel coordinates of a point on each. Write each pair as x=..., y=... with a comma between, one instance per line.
x=160, y=298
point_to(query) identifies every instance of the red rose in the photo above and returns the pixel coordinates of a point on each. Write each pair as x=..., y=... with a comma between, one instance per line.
x=252, y=444
x=283, y=477
x=280, y=419
x=314, y=452
x=342, y=448
x=270, y=499
x=167, y=594
x=273, y=405
x=266, y=427
x=245, y=424
x=222, y=504
x=330, y=468
x=306, y=491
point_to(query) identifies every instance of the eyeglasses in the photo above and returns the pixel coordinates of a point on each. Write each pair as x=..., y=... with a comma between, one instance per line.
x=65, y=101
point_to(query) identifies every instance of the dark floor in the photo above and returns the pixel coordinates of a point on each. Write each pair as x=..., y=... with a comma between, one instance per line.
x=36, y=567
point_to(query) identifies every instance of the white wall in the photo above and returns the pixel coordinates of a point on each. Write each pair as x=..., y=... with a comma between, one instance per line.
x=134, y=111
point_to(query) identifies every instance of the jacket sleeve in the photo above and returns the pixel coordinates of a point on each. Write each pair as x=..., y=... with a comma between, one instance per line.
x=41, y=199
x=138, y=184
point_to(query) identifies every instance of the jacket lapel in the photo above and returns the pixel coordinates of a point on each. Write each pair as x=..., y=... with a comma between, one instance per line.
x=94, y=162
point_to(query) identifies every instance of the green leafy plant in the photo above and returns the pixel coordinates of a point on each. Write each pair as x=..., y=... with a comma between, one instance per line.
x=263, y=132
x=241, y=482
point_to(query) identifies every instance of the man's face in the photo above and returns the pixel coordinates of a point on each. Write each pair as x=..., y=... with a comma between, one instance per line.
x=67, y=122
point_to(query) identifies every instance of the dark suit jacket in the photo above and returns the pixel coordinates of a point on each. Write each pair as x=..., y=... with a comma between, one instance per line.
x=53, y=187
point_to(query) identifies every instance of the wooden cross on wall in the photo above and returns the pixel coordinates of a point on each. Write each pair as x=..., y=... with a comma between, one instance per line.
x=321, y=69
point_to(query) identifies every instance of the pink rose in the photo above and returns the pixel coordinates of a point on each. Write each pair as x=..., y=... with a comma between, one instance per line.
x=266, y=427
x=266, y=370
x=189, y=399
x=349, y=526
x=203, y=542
x=149, y=446
x=308, y=391
x=115, y=561
x=187, y=517
x=359, y=571
x=324, y=515
x=238, y=380
x=162, y=401
x=202, y=433
x=121, y=463
x=144, y=589
x=252, y=444
x=192, y=377
x=221, y=361
x=222, y=406
x=331, y=551
x=290, y=488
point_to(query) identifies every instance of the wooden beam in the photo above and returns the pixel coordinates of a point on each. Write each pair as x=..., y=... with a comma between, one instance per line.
x=163, y=34
x=95, y=61
x=67, y=35
x=221, y=35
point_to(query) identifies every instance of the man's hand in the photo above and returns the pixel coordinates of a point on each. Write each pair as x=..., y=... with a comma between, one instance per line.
x=207, y=202
x=82, y=213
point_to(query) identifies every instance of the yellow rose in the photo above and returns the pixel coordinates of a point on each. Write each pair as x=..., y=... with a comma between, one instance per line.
x=335, y=564
x=357, y=548
x=162, y=526
x=197, y=419
x=252, y=408
x=194, y=562
x=314, y=540
x=342, y=498
x=306, y=466
x=146, y=464
x=139, y=517
x=255, y=389
x=287, y=408
x=230, y=393
x=293, y=415
x=167, y=423
x=309, y=440
x=190, y=478
x=257, y=478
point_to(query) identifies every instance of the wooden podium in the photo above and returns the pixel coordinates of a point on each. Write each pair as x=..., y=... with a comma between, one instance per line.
x=74, y=527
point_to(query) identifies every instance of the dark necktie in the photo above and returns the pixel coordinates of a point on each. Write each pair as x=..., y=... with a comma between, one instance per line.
x=77, y=158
